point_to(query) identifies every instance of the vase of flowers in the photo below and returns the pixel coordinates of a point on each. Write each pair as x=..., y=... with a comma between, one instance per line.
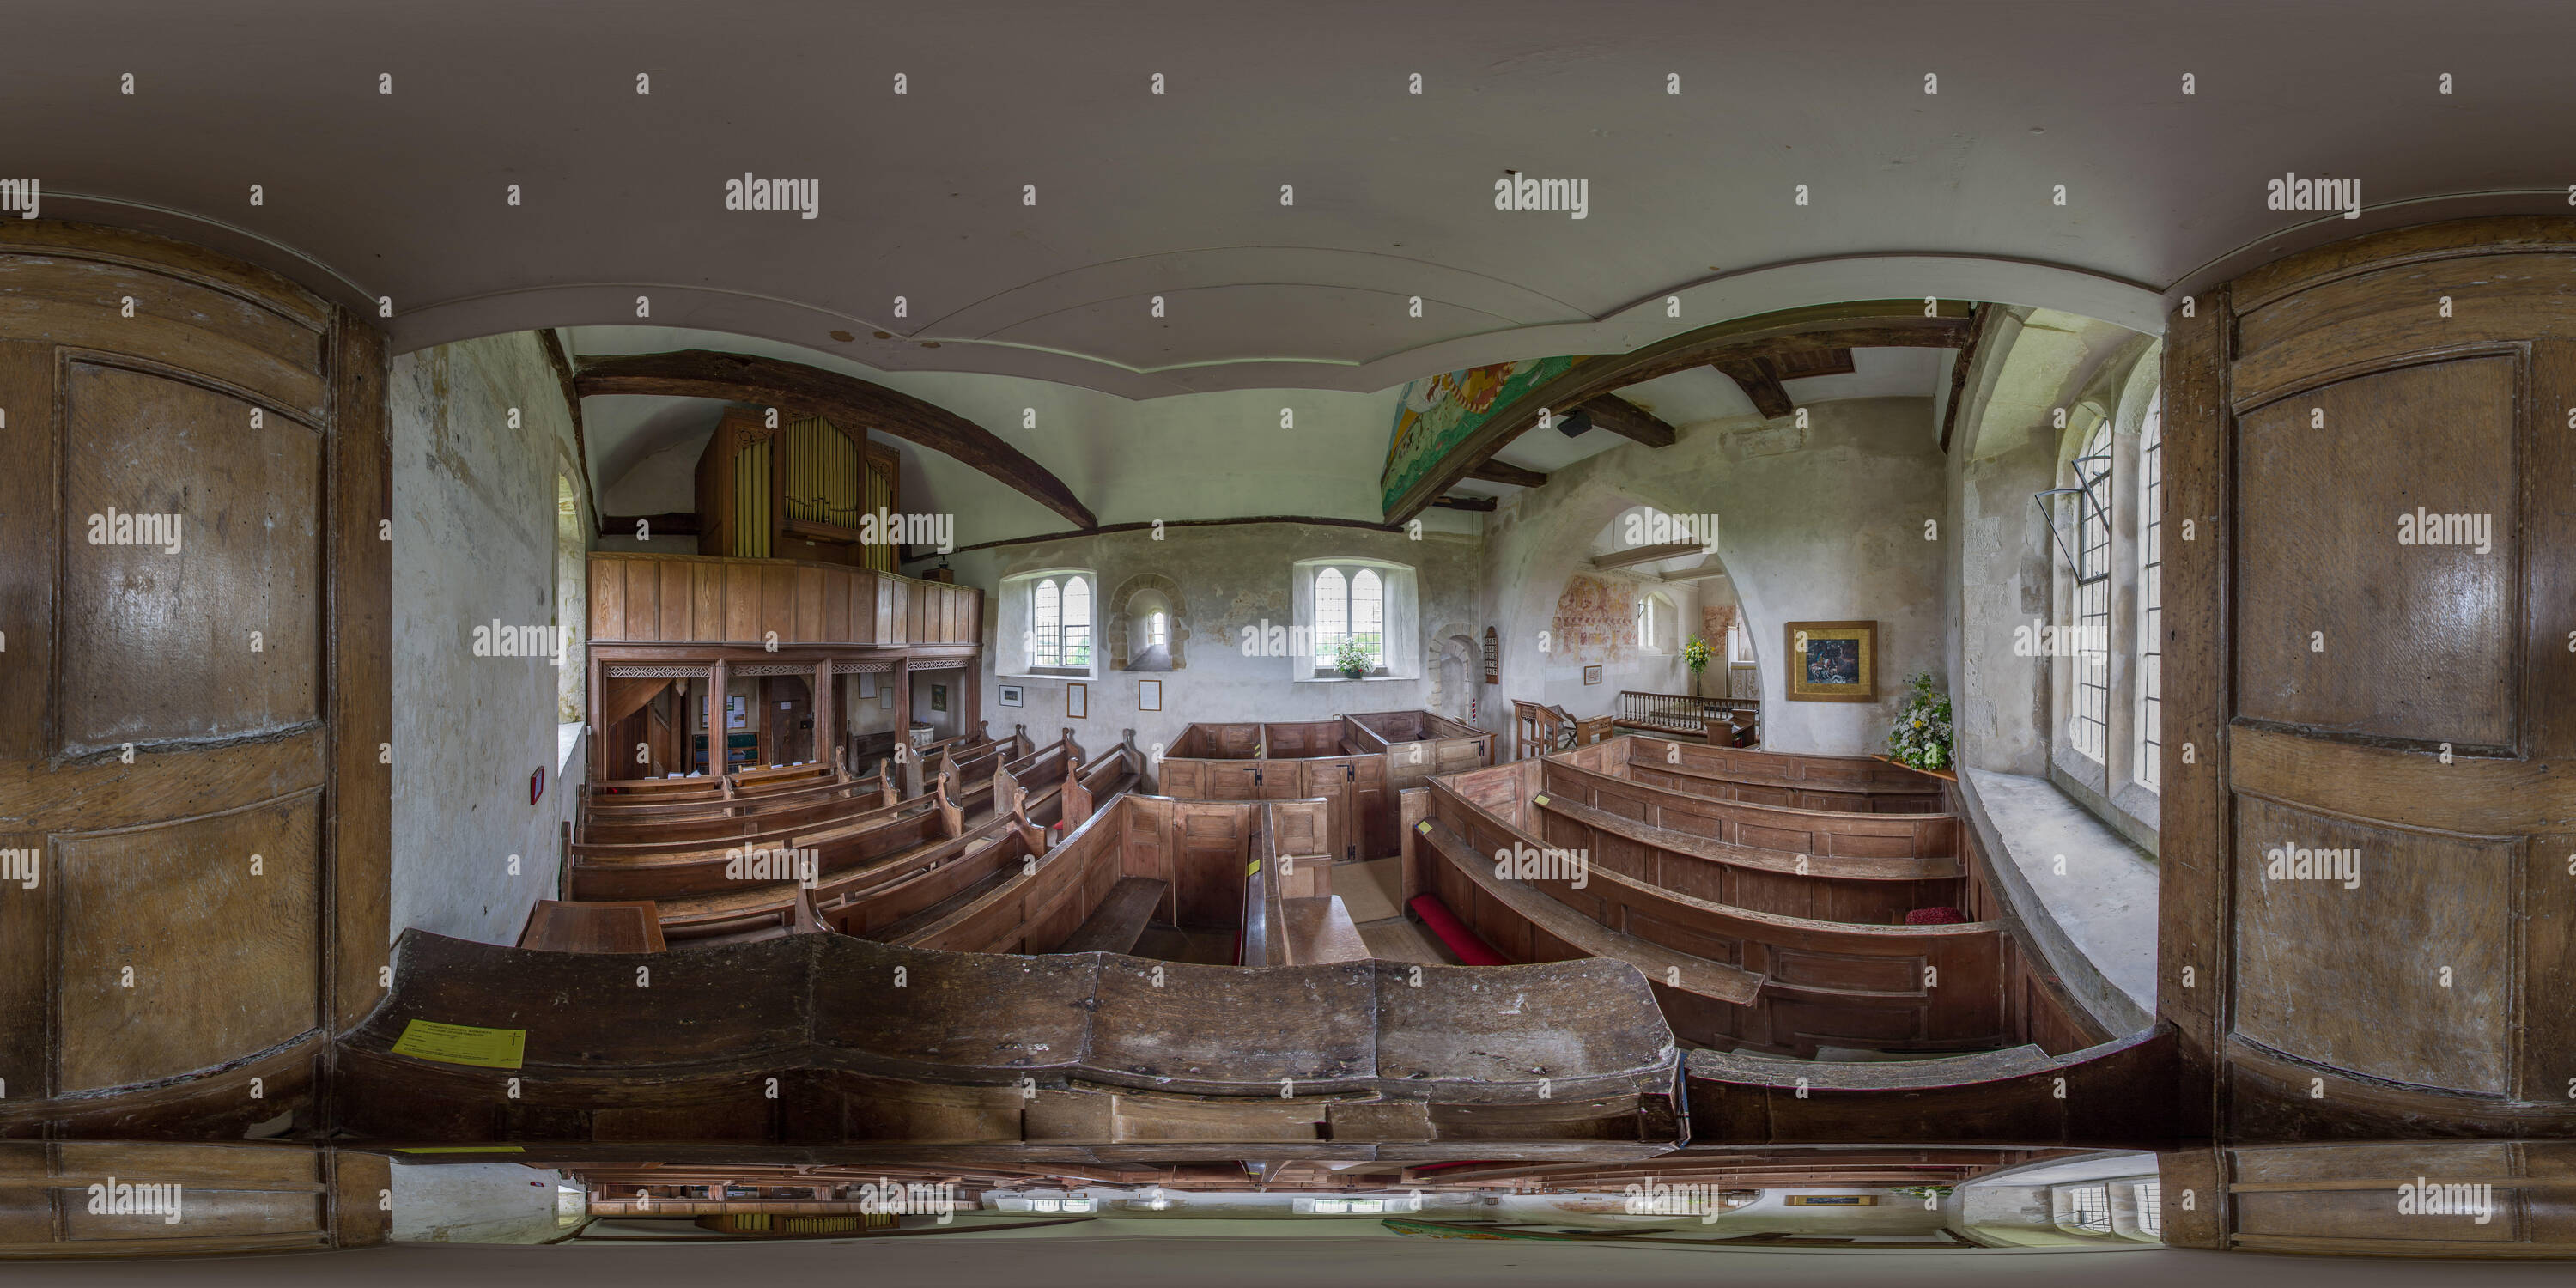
x=1921, y=738
x=1696, y=653
x=1351, y=660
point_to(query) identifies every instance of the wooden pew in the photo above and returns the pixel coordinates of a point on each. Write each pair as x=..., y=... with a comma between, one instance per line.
x=1901, y=988
x=1357, y=763
x=2112, y=1095
x=1120, y=920
x=567, y=927
x=1871, y=868
x=1849, y=784
x=1077, y=1059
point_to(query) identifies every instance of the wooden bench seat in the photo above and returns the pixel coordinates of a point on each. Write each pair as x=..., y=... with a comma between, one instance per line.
x=1120, y=920
x=1319, y=930
x=1669, y=967
x=565, y=927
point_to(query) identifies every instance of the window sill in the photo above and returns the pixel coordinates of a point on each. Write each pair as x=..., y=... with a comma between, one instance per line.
x=1336, y=679
x=1043, y=676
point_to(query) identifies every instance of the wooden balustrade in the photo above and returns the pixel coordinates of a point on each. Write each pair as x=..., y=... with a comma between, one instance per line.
x=1383, y=1061
x=1690, y=716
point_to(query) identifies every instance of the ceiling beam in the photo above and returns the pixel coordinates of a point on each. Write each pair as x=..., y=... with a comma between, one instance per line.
x=1464, y=503
x=1754, y=377
x=1864, y=324
x=1498, y=472
x=1977, y=332
x=1646, y=554
x=846, y=401
x=1627, y=420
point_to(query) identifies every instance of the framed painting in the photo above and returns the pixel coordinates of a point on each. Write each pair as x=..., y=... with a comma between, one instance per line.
x=1011, y=695
x=1833, y=661
x=939, y=697
x=1592, y=675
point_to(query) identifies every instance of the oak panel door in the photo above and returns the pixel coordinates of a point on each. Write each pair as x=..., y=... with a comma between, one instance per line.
x=2370, y=697
x=194, y=626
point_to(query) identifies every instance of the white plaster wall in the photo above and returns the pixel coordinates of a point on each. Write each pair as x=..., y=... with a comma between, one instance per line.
x=1229, y=578
x=665, y=482
x=474, y=540
x=1820, y=524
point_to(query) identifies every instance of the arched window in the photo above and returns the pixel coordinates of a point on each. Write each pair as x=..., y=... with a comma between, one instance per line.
x=2092, y=643
x=2151, y=595
x=1077, y=622
x=1156, y=634
x=1046, y=625
x=1349, y=606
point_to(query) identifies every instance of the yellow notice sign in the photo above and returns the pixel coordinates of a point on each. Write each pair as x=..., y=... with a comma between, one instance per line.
x=1539, y=800
x=463, y=1044
x=462, y=1149
x=1423, y=827
x=1252, y=869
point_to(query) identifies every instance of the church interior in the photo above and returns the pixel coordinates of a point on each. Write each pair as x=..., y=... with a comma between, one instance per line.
x=1117, y=644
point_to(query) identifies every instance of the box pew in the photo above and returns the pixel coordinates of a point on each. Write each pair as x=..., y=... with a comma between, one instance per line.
x=1868, y=868
x=1939, y=988
x=1074, y=1059
x=1290, y=915
x=1849, y=784
x=1358, y=763
x=745, y=819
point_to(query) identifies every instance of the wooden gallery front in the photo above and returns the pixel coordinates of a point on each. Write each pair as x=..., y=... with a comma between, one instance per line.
x=862, y=656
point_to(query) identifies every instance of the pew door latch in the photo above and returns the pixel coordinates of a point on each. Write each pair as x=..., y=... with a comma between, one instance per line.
x=1256, y=778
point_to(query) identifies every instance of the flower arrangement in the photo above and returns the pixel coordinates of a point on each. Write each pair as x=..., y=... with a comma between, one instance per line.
x=1696, y=653
x=1921, y=738
x=1351, y=659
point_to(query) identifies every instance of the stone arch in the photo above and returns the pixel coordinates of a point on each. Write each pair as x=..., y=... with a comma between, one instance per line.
x=1129, y=606
x=1454, y=661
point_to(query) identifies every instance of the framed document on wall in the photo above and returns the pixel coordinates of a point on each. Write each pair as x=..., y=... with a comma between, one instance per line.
x=1833, y=661
x=1077, y=700
x=1149, y=695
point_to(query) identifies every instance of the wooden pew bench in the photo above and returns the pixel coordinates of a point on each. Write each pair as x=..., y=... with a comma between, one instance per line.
x=1120, y=920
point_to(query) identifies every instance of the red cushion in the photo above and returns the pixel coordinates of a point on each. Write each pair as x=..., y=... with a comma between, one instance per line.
x=1470, y=950
x=1935, y=917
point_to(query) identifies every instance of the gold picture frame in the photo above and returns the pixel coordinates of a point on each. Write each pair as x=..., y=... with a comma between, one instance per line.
x=1832, y=661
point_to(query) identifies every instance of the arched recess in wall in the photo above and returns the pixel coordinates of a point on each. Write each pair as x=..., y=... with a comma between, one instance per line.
x=1148, y=624
x=1456, y=666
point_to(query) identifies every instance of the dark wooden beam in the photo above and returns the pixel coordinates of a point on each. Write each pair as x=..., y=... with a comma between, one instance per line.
x=1753, y=376
x=1314, y=520
x=1498, y=472
x=562, y=363
x=1801, y=364
x=679, y=523
x=1627, y=420
x=846, y=401
x=1978, y=330
x=1647, y=554
x=1862, y=324
x=1464, y=503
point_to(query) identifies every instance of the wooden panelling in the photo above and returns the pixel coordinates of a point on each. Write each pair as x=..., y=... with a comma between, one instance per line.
x=694, y=599
x=2426, y=997
x=2338, y=687
x=229, y=1198
x=2332, y=608
x=190, y=1001
x=220, y=636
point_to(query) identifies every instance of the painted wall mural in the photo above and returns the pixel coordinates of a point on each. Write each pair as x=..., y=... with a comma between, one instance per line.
x=1440, y=411
x=1596, y=620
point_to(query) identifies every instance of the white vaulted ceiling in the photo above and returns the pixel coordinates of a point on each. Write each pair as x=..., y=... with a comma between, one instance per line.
x=1176, y=195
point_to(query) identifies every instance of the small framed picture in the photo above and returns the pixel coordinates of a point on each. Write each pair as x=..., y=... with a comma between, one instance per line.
x=1077, y=700
x=1833, y=661
x=1010, y=695
x=885, y=697
x=1149, y=695
x=867, y=685
x=1592, y=675
x=939, y=697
